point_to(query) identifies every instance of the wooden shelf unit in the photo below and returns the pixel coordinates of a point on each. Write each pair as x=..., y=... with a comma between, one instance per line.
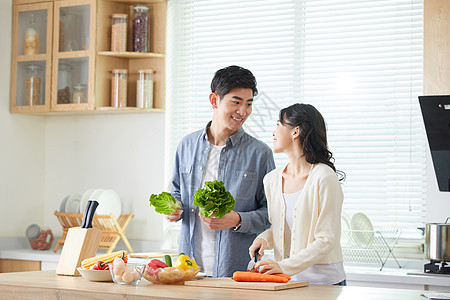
x=96, y=58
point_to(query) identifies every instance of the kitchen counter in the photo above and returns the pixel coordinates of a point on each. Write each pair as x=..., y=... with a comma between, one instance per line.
x=48, y=285
x=409, y=277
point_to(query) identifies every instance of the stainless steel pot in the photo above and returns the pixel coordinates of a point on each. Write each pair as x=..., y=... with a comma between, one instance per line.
x=437, y=241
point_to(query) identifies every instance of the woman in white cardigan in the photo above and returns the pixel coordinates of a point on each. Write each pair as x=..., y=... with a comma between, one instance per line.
x=304, y=200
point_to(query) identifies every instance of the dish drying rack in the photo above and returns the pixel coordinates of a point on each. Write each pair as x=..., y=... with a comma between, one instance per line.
x=369, y=246
x=112, y=229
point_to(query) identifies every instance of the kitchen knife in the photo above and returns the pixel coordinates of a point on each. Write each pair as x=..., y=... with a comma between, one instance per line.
x=86, y=211
x=252, y=262
x=91, y=213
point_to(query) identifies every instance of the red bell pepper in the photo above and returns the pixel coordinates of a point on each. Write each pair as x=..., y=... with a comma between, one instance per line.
x=99, y=265
x=156, y=264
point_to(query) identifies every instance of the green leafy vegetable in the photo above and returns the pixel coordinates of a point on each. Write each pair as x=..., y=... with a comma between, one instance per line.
x=164, y=203
x=214, y=198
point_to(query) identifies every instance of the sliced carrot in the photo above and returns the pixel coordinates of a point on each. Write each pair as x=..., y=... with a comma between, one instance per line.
x=257, y=277
x=283, y=275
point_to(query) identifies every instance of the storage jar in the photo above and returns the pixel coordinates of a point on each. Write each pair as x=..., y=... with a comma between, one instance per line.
x=119, y=33
x=119, y=88
x=140, y=27
x=33, y=85
x=144, y=90
x=79, y=94
x=64, y=83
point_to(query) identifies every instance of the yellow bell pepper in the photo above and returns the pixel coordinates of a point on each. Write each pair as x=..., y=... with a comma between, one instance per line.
x=185, y=262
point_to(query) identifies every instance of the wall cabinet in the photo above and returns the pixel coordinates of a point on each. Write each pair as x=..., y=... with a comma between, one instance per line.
x=62, y=59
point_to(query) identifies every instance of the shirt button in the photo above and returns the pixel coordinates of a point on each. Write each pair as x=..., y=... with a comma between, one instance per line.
x=245, y=174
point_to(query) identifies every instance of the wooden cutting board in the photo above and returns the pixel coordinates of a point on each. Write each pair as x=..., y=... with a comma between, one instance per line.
x=231, y=284
x=151, y=254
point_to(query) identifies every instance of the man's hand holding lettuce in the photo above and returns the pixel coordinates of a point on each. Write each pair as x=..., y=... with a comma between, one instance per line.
x=214, y=200
x=165, y=203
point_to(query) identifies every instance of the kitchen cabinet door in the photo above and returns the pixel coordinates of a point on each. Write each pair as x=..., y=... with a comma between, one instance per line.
x=31, y=58
x=73, y=55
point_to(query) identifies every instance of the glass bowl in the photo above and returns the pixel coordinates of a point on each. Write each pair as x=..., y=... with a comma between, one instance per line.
x=170, y=275
x=132, y=274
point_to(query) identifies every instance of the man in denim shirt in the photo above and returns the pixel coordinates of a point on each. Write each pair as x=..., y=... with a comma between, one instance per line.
x=223, y=151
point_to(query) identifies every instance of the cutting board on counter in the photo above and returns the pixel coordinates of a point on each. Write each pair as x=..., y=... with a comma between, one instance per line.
x=151, y=254
x=231, y=284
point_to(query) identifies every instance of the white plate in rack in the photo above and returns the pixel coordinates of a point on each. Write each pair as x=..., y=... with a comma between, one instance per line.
x=62, y=205
x=85, y=199
x=109, y=203
x=73, y=204
x=362, y=229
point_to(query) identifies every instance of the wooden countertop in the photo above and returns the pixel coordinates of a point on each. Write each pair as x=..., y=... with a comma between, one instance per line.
x=48, y=285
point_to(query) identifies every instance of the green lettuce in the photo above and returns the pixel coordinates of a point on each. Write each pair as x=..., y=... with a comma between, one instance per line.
x=164, y=203
x=214, y=198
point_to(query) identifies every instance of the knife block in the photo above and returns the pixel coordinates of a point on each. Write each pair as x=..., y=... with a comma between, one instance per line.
x=80, y=243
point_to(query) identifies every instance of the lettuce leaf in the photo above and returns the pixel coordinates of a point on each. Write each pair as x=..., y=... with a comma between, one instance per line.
x=164, y=203
x=214, y=198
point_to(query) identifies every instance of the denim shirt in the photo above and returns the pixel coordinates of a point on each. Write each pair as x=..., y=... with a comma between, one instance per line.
x=243, y=163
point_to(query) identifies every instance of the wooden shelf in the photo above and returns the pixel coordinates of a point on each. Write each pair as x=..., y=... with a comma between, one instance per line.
x=133, y=55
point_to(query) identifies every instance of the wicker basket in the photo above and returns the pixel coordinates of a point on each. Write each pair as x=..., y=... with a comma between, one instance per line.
x=112, y=230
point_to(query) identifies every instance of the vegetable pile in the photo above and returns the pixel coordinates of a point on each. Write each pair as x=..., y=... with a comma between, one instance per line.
x=100, y=262
x=214, y=198
x=184, y=268
x=164, y=203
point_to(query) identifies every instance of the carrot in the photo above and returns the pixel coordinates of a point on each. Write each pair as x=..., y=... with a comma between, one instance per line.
x=257, y=277
x=283, y=275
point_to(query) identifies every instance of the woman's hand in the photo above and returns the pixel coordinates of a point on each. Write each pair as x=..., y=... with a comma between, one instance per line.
x=257, y=243
x=268, y=266
x=176, y=215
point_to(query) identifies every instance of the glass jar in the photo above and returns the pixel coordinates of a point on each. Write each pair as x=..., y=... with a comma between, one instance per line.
x=144, y=89
x=119, y=33
x=140, y=27
x=40, y=239
x=33, y=85
x=79, y=94
x=119, y=88
x=31, y=37
x=64, y=83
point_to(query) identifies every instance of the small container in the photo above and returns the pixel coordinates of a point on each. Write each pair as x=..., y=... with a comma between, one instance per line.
x=119, y=88
x=119, y=33
x=40, y=239
x=64, y=83
x=140, y=27
x=79, y=94
x=130, y=273
x=33, y=85
x=31, y=37
x=144, y=89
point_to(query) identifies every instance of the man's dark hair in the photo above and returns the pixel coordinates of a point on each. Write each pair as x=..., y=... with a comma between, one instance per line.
x=233, y=77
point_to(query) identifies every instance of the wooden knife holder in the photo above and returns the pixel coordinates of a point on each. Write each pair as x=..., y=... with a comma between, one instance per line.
x=80, y=243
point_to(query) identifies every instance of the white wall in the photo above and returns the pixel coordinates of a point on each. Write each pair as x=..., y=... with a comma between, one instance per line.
x=43, y=159
x=119, y=152
x=21, y=150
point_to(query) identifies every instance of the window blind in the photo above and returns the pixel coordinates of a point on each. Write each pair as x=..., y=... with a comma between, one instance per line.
x=358, y=62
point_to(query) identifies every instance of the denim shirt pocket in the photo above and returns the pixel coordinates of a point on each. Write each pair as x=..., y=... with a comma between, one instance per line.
x=245, y=184
x=186, y=173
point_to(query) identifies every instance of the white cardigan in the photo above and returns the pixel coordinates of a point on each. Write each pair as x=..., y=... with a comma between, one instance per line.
x=316, y=229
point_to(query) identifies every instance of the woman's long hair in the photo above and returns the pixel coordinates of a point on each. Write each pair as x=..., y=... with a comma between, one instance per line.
x=313, y=134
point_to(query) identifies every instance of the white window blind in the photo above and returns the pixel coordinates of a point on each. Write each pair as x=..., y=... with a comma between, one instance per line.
x=358, y=62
